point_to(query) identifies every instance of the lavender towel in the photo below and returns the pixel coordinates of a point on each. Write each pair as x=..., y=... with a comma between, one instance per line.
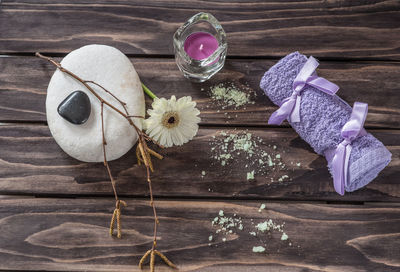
x=321, y=119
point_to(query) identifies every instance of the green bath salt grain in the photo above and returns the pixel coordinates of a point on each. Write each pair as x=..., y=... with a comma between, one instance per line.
x=262, y=207
x=250, y=175
x=258, y=249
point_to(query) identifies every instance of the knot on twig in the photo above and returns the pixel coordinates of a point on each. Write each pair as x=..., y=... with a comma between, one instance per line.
x=153, y=252
x=117, y=218
x=143, y=153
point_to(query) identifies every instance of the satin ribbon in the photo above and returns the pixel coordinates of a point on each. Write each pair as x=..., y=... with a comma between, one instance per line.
x=290, y=106
x=350, y=131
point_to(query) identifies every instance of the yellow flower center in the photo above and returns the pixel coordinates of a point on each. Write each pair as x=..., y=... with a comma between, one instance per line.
x=170, y=119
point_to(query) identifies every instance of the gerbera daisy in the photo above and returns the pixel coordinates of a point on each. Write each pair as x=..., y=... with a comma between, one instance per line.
x=172, y=122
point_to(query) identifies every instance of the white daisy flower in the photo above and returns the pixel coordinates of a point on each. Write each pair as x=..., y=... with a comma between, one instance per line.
x=172, y=122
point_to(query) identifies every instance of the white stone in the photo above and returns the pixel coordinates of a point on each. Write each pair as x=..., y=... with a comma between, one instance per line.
x=110, y=68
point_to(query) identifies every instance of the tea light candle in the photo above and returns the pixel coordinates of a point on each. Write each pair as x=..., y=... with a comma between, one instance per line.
x=200, y=45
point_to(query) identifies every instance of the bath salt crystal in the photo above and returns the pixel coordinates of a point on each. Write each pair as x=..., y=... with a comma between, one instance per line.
x=258, y=249
x=283, y=177
x=262, y=207
x=250, y=175
x=263, y=226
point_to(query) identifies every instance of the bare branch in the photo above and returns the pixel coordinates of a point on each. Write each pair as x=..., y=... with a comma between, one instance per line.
x=143, y=154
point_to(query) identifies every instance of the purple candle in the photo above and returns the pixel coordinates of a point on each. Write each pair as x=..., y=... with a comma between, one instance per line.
x=200, y=45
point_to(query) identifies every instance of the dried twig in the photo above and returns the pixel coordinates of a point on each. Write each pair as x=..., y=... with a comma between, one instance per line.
x=143, y=153
x=141, y=262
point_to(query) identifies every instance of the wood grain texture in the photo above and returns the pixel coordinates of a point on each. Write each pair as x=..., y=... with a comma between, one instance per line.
x=351, y=29
x=32, y=163
x=71, y=235
x=24, y=80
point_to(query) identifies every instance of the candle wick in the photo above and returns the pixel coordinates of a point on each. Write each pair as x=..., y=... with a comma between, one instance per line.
x=201, y=47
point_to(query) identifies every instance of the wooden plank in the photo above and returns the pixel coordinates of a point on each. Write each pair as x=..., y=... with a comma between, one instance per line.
x=357, y=29
x=23, y=84
x=72, y=235
x=32, y=163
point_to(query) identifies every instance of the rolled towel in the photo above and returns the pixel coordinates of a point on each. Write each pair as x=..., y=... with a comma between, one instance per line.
x=322, y=116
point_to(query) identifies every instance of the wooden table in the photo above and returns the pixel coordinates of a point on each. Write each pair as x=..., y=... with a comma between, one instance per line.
x=55, y=210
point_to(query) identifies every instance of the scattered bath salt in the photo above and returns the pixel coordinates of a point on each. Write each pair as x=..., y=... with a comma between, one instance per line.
x=226, y=225
x=250, y=175
x=298, y=164
x=262, y=207
x=203, y=173
x=274, y=146
x=269, y=225
x=224, y=239
x=210, y=238
x=265, y=231
x=229, y=95
x=243, y=152
x=258, y=249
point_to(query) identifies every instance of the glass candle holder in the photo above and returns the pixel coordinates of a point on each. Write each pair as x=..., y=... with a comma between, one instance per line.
x=200, y=47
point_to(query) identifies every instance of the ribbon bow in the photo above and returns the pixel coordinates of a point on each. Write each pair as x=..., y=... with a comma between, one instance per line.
x=350, y=131
x=290, y=106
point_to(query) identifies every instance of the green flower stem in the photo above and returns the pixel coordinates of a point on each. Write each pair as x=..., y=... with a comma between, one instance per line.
x=148, y=92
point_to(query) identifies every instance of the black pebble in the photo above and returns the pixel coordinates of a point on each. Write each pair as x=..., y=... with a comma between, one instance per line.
x=75, y=108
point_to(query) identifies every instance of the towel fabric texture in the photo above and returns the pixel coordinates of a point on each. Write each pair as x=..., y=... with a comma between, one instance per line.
x=322, y=117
